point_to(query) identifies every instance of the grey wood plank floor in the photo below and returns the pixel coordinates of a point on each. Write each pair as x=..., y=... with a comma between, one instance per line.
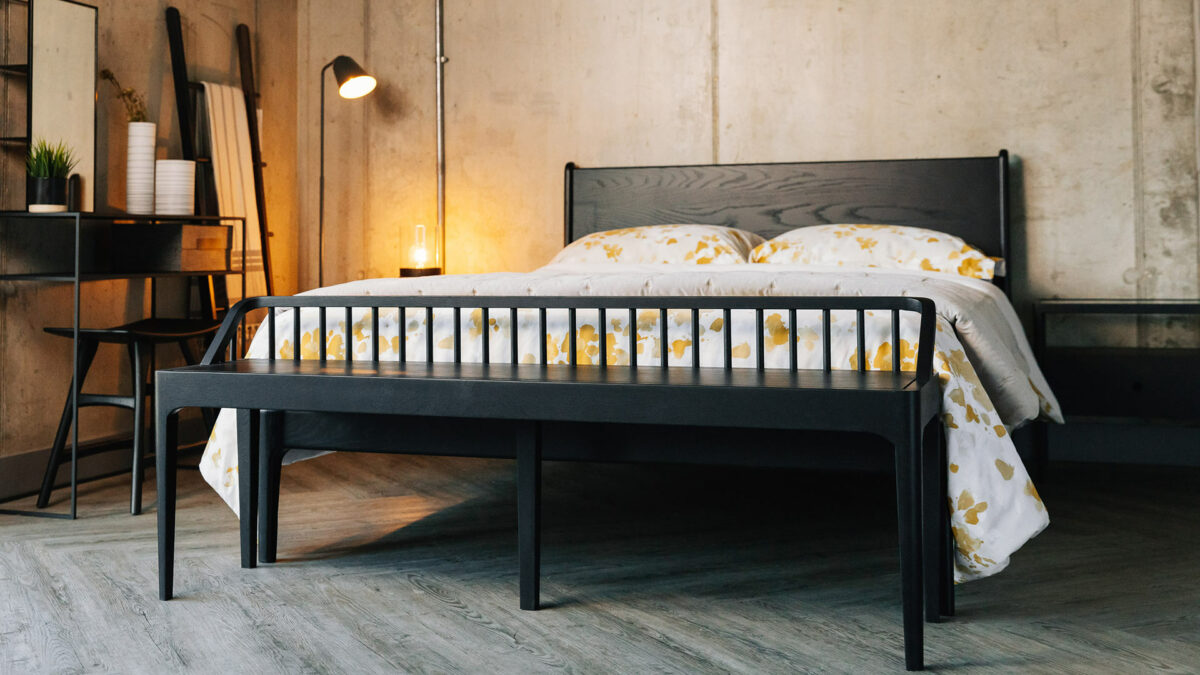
x=393, y=563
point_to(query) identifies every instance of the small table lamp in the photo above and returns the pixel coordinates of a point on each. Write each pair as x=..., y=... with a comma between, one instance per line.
x=418, y=256
x=353, y=82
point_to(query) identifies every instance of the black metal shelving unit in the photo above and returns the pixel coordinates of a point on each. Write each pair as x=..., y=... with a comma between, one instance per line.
x=77, y=276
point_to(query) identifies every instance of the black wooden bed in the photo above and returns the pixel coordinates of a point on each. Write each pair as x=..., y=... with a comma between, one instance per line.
x=459, y=408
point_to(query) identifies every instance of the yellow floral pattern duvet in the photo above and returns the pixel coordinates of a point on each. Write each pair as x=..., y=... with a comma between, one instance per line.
x=995, y=506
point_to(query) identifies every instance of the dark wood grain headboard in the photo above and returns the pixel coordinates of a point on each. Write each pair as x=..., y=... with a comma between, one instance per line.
x=966, y=196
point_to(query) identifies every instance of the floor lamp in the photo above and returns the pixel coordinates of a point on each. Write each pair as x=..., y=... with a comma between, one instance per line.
x=353, y=82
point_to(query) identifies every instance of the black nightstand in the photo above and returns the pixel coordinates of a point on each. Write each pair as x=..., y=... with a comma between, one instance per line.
x=1139, y=383
x=1147, y=385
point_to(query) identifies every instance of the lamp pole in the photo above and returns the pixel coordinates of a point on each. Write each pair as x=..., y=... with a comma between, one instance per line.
x=321, y=206
x=441, y=143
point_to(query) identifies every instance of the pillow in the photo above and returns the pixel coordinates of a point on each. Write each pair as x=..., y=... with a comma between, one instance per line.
x=653, y=244
x=886, y=246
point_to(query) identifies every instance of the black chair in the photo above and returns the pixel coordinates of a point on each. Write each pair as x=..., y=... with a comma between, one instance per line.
x=140, y=337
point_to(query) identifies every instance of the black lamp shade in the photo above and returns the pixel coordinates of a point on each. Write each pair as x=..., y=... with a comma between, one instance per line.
x=353, y=81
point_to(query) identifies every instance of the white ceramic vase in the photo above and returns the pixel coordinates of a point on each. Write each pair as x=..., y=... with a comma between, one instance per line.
x=174, y=187
x=139, y=168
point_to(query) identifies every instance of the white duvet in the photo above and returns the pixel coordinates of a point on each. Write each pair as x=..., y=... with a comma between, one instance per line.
x=990, y=382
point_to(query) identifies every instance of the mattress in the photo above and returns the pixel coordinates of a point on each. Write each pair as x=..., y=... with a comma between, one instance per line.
x=989, y=380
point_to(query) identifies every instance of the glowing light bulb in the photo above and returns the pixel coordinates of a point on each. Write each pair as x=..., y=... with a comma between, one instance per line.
x=419, y=254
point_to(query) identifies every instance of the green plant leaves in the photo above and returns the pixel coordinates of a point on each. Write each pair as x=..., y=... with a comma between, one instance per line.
x=50, y=161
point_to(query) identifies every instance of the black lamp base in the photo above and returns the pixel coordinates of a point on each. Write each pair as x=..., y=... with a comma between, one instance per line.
x=420, y=271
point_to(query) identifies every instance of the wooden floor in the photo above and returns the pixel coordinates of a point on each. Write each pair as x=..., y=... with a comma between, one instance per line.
x=395, y=563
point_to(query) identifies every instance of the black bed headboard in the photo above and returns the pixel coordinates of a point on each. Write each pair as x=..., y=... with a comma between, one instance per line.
x=966, y=196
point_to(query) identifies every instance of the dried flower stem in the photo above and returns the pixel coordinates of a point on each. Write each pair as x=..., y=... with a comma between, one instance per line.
x=135, y=105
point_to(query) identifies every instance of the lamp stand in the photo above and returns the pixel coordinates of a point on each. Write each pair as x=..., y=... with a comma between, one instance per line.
x=321, y=198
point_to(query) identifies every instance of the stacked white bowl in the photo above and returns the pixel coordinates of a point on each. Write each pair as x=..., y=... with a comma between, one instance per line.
x=175, y=187
x=139, y=168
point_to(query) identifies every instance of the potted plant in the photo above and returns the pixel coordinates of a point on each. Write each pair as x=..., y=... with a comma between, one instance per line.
x=139, y=153
x=48, y=167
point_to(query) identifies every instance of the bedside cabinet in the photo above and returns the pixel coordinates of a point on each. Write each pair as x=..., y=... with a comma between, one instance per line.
x=1140, y=383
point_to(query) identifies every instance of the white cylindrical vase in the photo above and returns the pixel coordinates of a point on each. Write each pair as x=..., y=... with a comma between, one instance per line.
x=139, y=168
x=175, y=187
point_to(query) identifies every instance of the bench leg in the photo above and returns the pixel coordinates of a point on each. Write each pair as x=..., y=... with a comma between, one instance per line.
x=270, y=463
x=933, y=505
x=908, y=508
x=164, y=461
x=946, y=554
x=529, y=511
x=247, y=440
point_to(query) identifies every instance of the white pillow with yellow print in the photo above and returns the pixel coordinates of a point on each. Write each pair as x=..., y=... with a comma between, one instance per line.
x=886, y=246
x=654, y=244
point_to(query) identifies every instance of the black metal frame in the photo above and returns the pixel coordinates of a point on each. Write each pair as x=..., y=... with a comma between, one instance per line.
x=280, y=402
x=76, y=276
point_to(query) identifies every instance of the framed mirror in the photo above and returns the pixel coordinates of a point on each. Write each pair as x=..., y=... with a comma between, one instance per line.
x=49, y=90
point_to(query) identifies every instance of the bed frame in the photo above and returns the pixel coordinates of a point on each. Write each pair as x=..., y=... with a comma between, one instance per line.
x=418, y=407
x=967, y=197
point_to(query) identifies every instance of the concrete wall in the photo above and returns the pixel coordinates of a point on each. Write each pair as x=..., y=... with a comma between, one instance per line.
x=34, y=368
x=1096, y=100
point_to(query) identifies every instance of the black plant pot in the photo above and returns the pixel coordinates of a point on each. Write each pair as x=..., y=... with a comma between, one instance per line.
x=46, y=192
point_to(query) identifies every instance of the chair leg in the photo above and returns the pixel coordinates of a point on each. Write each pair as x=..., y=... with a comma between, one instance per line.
x=87, y=354
x=529, y=511
x=247, y=440
x=933, y=503
x=166, y=428
x=908, y=507
x=140, y=365
x=946, y=559
x=270, y=464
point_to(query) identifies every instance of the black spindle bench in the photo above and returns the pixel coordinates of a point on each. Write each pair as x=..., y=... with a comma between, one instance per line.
x=503, y=409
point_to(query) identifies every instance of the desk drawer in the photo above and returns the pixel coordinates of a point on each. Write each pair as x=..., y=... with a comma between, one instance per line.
x=171, y=248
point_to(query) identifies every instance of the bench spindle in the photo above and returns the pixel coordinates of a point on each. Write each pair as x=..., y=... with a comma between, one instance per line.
x=695, y=337
x=270, y=333
x=762, y=341
x=826, y=346
x=321, y=336
x=295, y=333
x=348, y=334
x=896, y=340
x=513, y=331
x=663, y=347
x=458, y=335
x=542, y=336
x=633, y=337
x=726, y=315
x=375, y=335
x=429, y=335
x=485, y=328
x=861, y=333
x=603, y=318
x=402, y=333
x=793, y=338
x=571, y=329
